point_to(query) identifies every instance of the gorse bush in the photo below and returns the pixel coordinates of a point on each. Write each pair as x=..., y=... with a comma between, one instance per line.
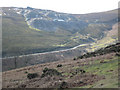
x=59, y=65
x=63, y=85
x=32, y=75
x=75, y=58
x=50, y=72
x=26, y=72
x=80, y=70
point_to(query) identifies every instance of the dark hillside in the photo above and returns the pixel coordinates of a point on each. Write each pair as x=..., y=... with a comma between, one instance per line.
x=115, y=48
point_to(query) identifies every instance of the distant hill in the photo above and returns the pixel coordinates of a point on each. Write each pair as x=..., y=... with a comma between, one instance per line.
x=29, y=30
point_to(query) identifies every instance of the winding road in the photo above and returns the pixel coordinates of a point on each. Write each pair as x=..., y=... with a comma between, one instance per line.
x=52, y=51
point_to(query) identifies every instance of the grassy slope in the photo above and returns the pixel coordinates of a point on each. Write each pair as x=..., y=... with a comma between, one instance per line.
x=17, y=36
x=107, y=74
x=109, y=70
x=107, y=66
x=110, y=38
x=100, y=72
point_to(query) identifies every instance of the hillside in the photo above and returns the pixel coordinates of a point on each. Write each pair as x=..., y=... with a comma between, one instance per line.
x=38, y=58
x=98, y=69
x=30, y=30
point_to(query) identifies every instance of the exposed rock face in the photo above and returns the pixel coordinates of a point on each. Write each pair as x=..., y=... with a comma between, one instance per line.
x=51, y=21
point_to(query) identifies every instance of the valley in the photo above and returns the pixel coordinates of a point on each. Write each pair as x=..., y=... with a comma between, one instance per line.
x=49, y=49
x=22, y=37
x=39, y=58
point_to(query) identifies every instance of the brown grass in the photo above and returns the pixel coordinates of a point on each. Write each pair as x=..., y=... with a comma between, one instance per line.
x=18, y=77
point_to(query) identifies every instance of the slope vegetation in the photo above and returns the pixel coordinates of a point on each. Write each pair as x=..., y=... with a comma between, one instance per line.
x=98, y=69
